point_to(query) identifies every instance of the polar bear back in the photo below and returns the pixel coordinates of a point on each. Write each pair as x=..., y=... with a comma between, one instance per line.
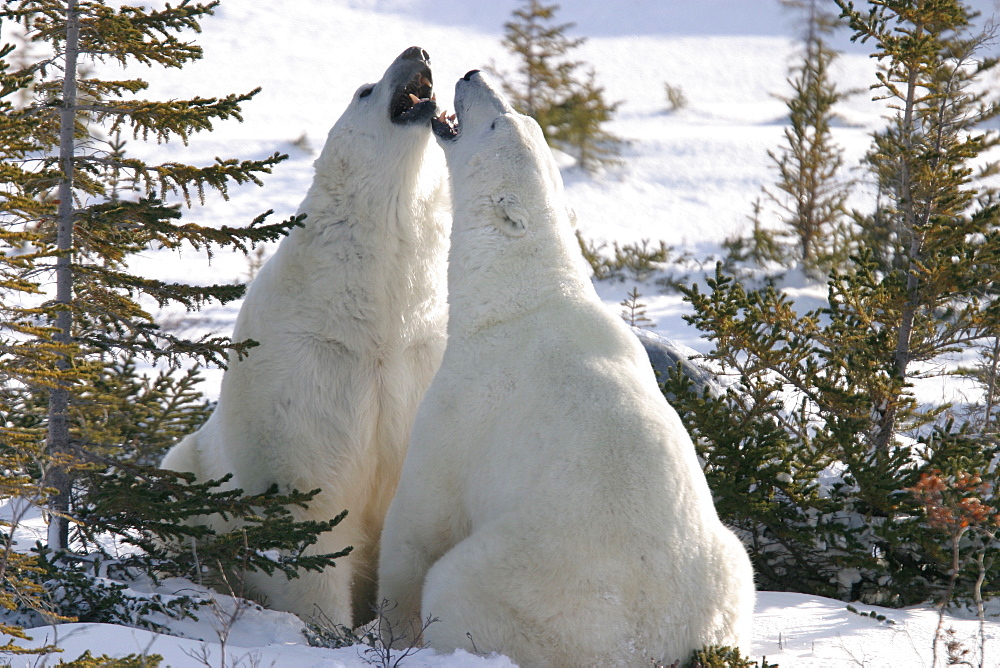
x=567, y=379
x=574, y=492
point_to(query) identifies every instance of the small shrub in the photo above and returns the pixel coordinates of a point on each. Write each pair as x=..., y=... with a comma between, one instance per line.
x=592, y=254
x=87, y=660
x=634, y=311
x=760, y=247
x=724, y=657
x=169, y=516
x=98, y=590
x=631, y=261
x=676, y=100
x=641, y=259
x=375, y=640
x=321, y=631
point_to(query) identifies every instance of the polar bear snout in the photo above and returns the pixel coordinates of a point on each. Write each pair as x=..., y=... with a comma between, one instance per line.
x=478, y=99
x=478, y=103
x=415, y=53
x=412, y=95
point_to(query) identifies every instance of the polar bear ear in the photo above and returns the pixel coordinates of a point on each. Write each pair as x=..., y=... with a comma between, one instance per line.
x=513, y=214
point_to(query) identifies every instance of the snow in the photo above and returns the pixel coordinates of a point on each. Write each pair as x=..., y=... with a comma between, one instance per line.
x=791, y=630
x=688, y=177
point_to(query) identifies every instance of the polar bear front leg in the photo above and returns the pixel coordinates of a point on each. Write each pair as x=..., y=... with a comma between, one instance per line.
x=483, y=598
x=185, y=458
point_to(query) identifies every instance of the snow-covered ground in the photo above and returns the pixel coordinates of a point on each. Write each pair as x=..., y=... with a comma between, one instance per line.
x=687, y=177
x=791, y=630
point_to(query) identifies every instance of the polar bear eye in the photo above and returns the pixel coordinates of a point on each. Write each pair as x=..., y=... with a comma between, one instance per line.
x=365, y=92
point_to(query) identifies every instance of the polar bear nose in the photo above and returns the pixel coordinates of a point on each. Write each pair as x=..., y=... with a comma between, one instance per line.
x=416, y=53
x=469, y=74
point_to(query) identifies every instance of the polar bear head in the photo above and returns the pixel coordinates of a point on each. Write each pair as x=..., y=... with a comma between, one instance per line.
x=401, y=100
x=379, y=142
x=499, y=160
x=512, y=238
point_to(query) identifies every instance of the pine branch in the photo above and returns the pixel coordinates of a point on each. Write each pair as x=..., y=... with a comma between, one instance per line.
x=124, y=34
x=188, y=180
x=107, y=284
x=163, y=120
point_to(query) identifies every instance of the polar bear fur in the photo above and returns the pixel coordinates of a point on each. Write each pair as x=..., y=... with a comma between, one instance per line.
x=351, y=315
x=551, y=506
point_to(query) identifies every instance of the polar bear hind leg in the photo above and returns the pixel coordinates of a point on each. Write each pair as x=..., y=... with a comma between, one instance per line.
x=467, y=613
x=482, y=601
x=313, y=595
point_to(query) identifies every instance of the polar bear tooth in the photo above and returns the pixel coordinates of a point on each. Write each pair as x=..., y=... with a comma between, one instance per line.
x=414, y=99
x=424, y=81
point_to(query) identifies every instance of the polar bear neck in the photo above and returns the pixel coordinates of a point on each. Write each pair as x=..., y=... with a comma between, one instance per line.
x=493, y=279
x=373, y=243
x=387, y=187
x=371, y=196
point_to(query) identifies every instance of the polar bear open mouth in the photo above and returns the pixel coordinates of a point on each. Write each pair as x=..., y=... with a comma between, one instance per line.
x=413, y=97
x=445, y=126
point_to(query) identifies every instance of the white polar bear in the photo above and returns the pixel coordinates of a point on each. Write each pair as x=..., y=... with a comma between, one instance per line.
x=351, y=317
x=551, y=506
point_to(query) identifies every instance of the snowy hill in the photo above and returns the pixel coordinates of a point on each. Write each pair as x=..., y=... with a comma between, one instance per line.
x=688, y=178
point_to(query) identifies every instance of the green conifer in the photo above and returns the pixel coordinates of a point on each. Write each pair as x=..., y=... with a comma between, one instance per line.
x=27, y=355
x=67, y=219
x=812, y=192
x=569, y=110
x=634, y=311
x=836, y=383
x=81, y=426
x=577, y=123
x=942, y=280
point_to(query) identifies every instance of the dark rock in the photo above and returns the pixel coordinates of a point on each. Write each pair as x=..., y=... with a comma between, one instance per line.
x=665, y=355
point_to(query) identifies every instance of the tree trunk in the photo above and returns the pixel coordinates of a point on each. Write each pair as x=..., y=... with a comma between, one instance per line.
x=991, y=385
x=58, y=446
x=886, y=429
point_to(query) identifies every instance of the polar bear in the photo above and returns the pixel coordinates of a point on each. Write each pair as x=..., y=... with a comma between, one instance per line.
x=551, y=506
x=351, y=317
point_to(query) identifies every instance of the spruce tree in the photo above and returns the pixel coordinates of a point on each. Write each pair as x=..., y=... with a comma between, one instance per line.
x=76, y=209
x=812, y=191
x=577, y=122
x=634, y=311
x=114, y=421
x=943, y=278
x=570, y=110
x=26, y=356
x=539, y=45
x=839, y=380
x=763, y=459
